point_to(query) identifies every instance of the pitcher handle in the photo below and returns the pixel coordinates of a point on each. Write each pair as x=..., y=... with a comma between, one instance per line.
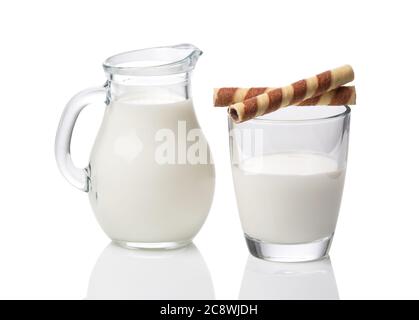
x=78, y=177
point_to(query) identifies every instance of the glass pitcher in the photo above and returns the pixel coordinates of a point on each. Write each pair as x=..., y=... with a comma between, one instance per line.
x=150, y=178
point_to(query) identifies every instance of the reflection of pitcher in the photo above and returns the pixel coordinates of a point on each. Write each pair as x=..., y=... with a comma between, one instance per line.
x=145, y=274
x=150, y=179
x=288, y=281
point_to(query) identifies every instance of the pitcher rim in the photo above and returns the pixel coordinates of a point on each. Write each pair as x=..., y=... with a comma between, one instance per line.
x=172, y=61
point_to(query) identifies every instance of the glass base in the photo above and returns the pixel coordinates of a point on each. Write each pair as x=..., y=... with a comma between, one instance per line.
x=152, y=245
x=299, y=252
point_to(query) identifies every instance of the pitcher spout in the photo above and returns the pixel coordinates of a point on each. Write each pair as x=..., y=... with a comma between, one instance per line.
x=191, y=52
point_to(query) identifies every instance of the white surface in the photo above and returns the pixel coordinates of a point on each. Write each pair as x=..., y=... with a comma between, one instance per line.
x=172, y=274
x=49, y=239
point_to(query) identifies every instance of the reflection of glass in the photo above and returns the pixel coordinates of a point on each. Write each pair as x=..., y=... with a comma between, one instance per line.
x=288, y=281
x=147, y=274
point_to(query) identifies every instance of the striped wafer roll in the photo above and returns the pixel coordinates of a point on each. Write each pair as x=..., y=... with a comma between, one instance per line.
x=293, y=94
x=227, y=96
x=344, y=95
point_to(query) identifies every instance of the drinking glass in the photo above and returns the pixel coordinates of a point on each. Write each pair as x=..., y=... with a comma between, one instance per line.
x=289, y=170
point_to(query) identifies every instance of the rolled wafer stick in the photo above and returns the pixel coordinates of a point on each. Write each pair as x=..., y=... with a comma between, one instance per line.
x=344, y=95
x=227, y=96
x=293, y=94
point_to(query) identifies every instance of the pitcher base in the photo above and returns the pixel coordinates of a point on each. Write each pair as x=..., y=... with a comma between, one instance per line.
x=152, y=245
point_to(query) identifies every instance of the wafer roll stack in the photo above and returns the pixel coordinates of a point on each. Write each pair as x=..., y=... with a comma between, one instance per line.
x=345, y=95
x=291, y=95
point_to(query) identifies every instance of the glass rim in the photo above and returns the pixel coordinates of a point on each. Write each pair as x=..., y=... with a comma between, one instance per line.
x=342, y=114
x=177, y=59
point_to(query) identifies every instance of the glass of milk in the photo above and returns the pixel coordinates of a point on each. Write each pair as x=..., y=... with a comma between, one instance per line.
x=289, y=170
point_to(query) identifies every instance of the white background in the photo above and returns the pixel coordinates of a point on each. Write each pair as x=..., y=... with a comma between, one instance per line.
x=49, y=239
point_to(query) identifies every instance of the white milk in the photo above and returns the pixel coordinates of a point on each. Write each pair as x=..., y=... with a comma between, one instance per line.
x=135, y=199
x=288, y=198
